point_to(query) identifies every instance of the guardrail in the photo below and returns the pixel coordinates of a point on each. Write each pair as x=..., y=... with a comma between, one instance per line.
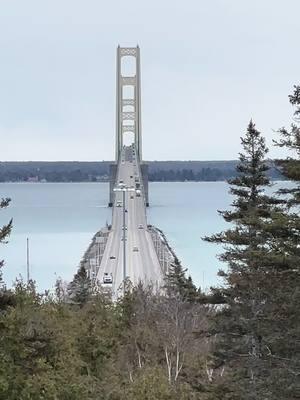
x=93, y=256
x=165, y=254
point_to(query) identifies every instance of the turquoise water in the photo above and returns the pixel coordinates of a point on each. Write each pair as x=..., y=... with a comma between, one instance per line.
x=60, y=219
x=186, y=212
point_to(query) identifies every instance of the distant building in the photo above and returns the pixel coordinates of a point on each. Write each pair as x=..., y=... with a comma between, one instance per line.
x=104, y=178
x=33, y=179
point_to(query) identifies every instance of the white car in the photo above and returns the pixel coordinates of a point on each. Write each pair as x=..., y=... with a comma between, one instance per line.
x=107, y=279
x=141, y=226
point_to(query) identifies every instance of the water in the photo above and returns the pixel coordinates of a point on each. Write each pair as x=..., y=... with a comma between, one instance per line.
x=61, y=218
x=186, y=212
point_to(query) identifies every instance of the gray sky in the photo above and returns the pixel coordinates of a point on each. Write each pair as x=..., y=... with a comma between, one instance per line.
x=207, y=68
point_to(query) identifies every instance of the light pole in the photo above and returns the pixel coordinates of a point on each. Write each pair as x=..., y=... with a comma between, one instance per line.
x=123, y=188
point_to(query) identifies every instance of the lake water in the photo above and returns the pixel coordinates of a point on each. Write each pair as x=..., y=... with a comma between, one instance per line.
x=60, y=219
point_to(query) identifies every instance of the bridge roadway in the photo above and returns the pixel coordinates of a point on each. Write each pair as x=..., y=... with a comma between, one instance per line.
x=141, y=260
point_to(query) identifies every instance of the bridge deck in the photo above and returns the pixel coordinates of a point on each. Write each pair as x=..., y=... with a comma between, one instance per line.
x=141, y=259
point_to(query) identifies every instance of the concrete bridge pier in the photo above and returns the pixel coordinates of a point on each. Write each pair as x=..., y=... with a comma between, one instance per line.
x=144, y=171
x=113, y=169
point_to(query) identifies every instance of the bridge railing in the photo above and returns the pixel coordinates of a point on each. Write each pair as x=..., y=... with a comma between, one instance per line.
x=93, y=256
x=165, y=254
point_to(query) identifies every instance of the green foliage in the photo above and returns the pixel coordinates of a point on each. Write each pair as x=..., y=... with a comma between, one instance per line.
x=6, y=298
x=79, y=290
x=52, y=349
x=255, y=327
x=5, y=230
x=290, y=140
x=177, y=284
x=150, y=384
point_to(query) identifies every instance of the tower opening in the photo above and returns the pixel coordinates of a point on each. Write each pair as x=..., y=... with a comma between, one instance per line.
x=128, y=108
x=128, y=138
x=128, y=92
x=128, y=66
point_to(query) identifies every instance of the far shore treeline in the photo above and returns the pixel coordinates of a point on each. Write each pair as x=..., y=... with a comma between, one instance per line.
x=159, y=171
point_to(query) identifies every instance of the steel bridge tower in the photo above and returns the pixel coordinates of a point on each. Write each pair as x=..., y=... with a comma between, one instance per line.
x=128, y=114
x=128, y=102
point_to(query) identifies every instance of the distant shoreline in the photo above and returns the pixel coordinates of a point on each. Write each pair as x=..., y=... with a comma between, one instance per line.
x=97, y=183
x=82, y=171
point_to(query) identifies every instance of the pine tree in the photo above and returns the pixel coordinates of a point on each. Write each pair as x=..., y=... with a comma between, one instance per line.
x=5, y=230
x=177, y=284
x=242, y=345
x=284, y=347
x=290, y=140
x=6, y=297
x=79, y=289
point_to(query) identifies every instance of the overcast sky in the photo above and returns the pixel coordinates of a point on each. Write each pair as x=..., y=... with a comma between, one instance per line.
x=207, y=68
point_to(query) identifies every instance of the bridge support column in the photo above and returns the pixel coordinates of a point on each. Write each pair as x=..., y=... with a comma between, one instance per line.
x=113, y=169
x=144, y=171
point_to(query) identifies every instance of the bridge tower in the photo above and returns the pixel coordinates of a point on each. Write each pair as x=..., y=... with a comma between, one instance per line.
x=128, y=97
x=128, y=114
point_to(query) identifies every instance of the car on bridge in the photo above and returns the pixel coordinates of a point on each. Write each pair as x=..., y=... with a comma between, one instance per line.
x=141, y=226
x=107, y=278
x=112, y=257
x=135, y=248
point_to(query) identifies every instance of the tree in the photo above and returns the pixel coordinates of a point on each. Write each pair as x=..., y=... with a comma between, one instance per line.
x=40, y=352
x=284, y=348
x=177, y=284
x=5, y=230
x=290, y=140
x=6, y=297
x=61, y=290
x=79, y=289
x=242, y=324
x=161, y=333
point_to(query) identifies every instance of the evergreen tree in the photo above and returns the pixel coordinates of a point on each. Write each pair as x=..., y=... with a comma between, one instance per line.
x=177, y=284
x=290, y=140
x=243, y=323
x=285, y=229
x=6, y=297
x=79, y=289
x=5, y=230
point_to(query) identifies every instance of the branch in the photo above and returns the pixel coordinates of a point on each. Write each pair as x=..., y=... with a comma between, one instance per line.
x=169, y=364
